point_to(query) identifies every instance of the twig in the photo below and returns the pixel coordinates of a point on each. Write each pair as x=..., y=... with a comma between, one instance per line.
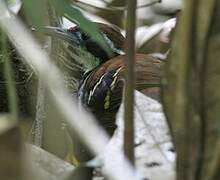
x=130, y=81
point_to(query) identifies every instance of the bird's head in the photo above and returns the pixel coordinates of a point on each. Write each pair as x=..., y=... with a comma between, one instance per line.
x=77, y=37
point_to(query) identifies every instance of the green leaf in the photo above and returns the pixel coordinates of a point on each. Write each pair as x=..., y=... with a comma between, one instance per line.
x=75, y=15
x=35, y=11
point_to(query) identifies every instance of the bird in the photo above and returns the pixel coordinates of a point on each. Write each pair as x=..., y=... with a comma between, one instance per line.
x=80, y=52
x=100, y=87
x=101, y=91
x=101, y=83
x=86, y=55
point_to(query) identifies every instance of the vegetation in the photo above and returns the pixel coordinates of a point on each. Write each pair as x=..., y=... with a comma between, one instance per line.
x=45, y=134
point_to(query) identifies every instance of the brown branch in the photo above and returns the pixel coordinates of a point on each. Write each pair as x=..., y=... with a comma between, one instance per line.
x=129, y=81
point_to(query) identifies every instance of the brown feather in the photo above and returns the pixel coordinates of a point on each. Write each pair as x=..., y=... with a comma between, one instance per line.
x=148, y=73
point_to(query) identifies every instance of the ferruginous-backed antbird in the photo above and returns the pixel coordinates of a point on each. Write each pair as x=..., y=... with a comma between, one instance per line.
x=100, y=89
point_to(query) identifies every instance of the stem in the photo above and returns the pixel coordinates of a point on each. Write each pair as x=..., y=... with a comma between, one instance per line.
x=130, y=81
x=11, y=88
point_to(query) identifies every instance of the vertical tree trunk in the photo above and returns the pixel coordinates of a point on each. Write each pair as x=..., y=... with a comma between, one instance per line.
x=191, y=91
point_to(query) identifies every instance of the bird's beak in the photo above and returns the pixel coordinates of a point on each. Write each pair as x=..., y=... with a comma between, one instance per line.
x=60, y=33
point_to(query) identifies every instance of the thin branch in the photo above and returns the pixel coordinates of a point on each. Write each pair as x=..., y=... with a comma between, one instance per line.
x=130, y=81
x=149, y=4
